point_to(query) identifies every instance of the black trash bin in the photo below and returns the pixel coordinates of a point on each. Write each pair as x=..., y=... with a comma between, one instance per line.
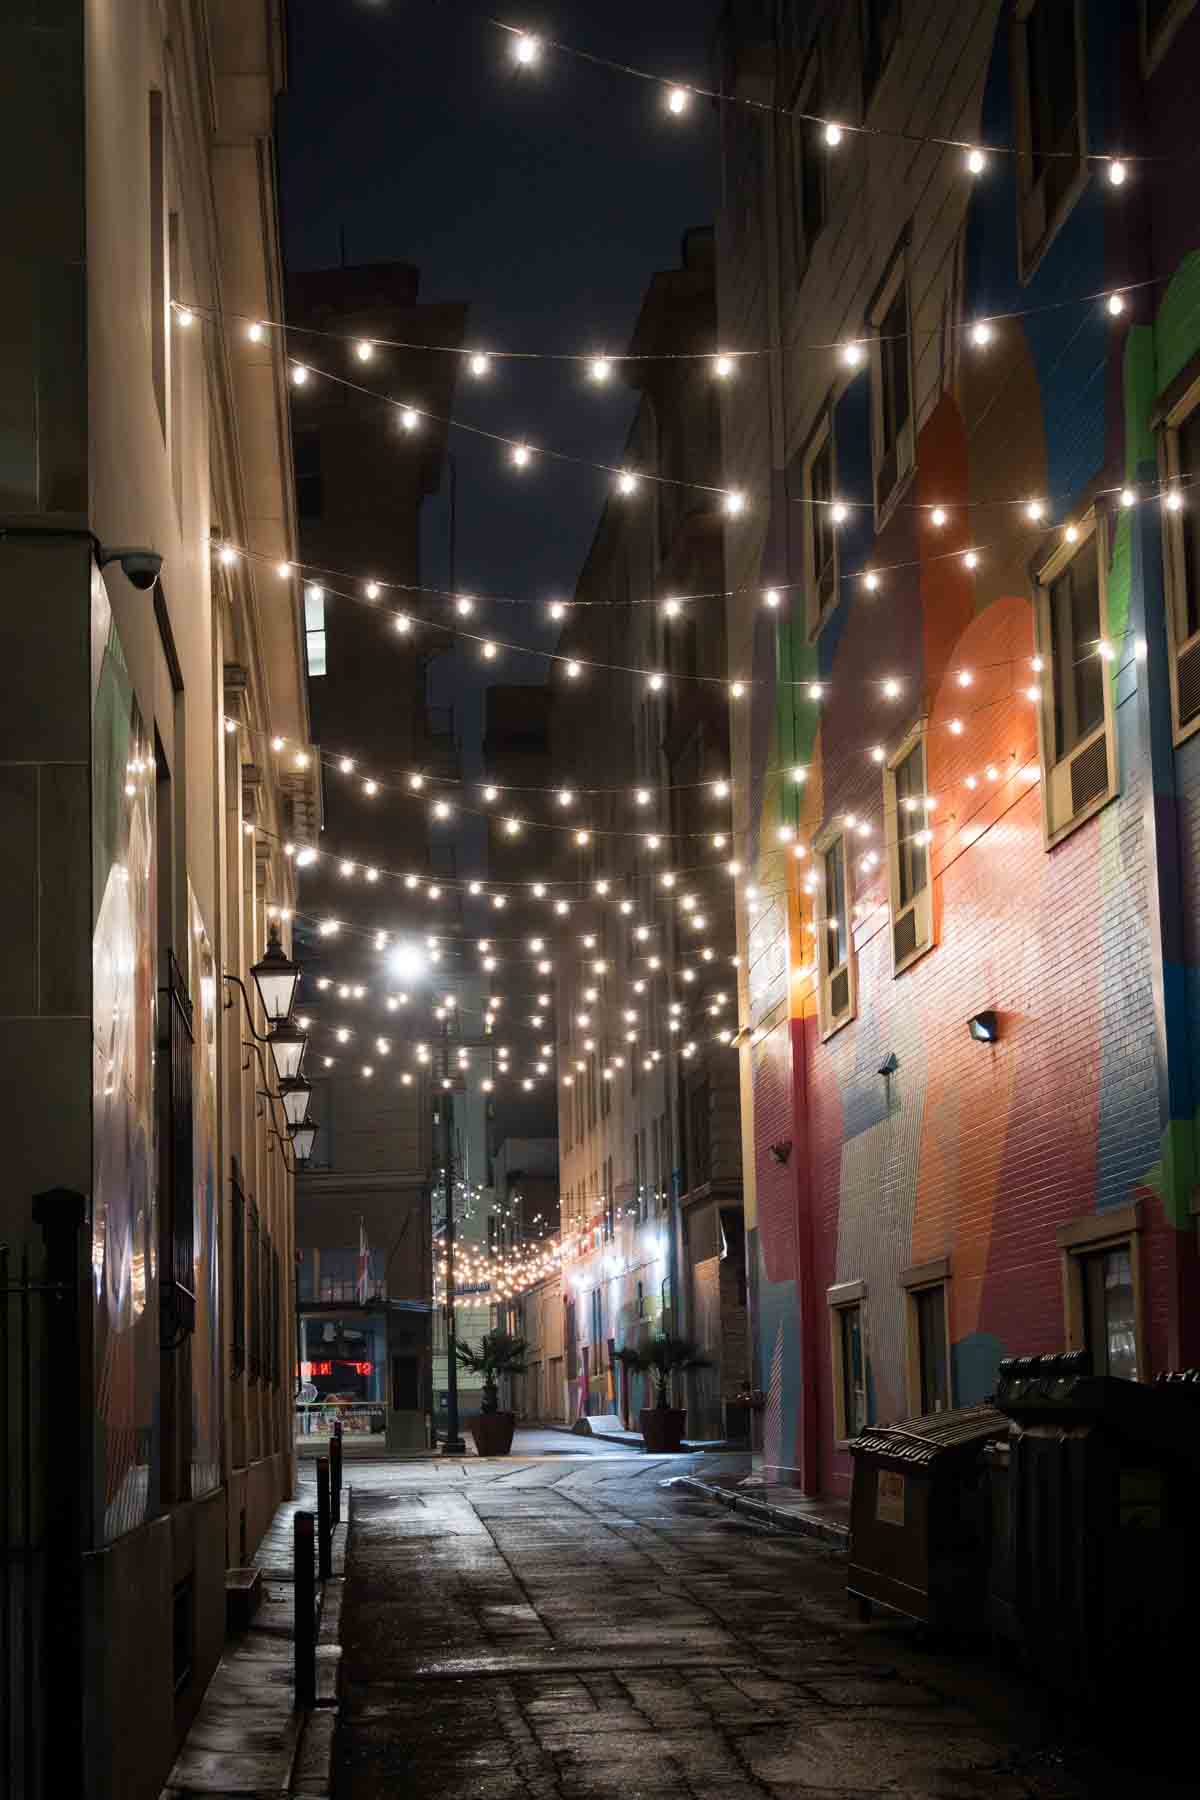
x=1105, y=1564
x=920, y=1517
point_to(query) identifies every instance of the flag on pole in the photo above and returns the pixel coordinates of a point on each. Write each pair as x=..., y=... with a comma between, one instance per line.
x=364, y=1263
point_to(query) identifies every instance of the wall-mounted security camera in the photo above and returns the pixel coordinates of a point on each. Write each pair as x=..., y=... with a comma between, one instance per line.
x=141, y=568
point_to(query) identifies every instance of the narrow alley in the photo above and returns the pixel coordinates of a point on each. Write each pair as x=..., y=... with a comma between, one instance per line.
x=564, y=1623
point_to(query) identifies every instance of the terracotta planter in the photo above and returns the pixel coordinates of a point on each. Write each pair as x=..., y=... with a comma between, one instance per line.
x=662, y=1429
x=493, y=1432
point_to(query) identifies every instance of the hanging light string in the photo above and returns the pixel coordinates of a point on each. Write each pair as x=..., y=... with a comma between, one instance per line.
x=527, y=50
x=981, y=329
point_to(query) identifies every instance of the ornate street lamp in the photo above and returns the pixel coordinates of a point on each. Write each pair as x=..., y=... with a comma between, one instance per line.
x=276, y=977
x=295, y=1096
x=287, y=1044
x=302, y=1141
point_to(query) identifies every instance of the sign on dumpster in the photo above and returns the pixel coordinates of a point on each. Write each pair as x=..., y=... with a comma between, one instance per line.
x=889, y=1497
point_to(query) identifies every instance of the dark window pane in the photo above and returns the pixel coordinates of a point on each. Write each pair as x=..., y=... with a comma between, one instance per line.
x=1053, y=84
x=820, y=493
x=880, y=24
x=854, y=1386
x=1157, y=14
x=1078, y=671
x=306, y=456
x=835, y=904
x=1109, y=1322
x=893, y=360
x=809, y=175
x=1188, y=444
x=910, y=822
x=931, y=1345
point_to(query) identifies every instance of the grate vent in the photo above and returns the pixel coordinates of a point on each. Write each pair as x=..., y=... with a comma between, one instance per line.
x=1089, y=774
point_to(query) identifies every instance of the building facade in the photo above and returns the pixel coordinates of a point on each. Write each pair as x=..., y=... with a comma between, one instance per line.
x=364, y=1223
x=649, y=1127
x=147, y=1213
x=965, y=790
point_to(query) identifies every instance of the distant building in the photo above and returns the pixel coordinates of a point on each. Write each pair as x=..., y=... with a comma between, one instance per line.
x=145, y=818
x=648, y=1105
x=363, y=1205
x=966, y=791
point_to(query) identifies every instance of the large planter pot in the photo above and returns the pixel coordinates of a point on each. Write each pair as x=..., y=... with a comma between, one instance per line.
x=662, y=1429
x=493, y=1432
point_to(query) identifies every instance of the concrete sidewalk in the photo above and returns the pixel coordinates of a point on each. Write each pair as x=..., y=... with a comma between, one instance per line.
x=247, y=1738
x=786, y=1508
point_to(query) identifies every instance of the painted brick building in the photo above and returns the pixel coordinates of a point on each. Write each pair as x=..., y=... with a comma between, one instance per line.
x=966, y=785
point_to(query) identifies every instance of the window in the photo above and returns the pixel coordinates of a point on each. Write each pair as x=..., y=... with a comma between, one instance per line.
x=597, y=1322
x=1077, y=736
x=159, y=333
x=928, y=1337
x=1051, y=120
x=892, y=388
x=821, y=557
x=1161, y=19
x=1180, y=460
x=835, y=951
x=310, y=487
x=314, y=630
x=1102, y=1291
x=907, y=825
x=880, y=29
x=810, y=167
x=848, y=1344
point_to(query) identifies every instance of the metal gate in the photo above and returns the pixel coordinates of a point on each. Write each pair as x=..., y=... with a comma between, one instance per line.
x=41, y=1502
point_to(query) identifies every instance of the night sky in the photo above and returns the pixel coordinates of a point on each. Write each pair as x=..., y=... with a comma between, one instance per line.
x=545, y=200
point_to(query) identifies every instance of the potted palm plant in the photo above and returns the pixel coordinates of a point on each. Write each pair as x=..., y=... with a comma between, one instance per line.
x=498, y=1354
x=662, y=1424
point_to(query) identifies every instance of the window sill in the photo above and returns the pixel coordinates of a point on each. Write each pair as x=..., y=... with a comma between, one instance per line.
x=831, y=1031
x=1030, y=260
x=883, y=514
x=1060, y=833
x=914, y=956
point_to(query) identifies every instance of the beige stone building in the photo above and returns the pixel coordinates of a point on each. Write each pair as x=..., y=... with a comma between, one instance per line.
x=147, y=1430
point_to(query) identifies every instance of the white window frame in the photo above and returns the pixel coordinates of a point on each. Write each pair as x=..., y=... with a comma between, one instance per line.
x=831, y=1023
x=840, y=1299
x=1036, y=227
x=1153, y=52
x=316, y=633
x=817, y=611
x=1059, y=816
x=897, y=279
x=898, y=824
x=1183, y=645
x=1120, y=1227
x=920, y=1279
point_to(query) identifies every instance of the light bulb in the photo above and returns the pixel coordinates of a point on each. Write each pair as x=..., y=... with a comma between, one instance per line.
x=957, y=727
x=671, y=609
x=512, y=826
x=838, y=512
x=965, y=678
x=1071, y=534
x=970, y=560
x=1128, y=497
x=723, y=367
x=299, y=374
x=565, y=797
x=227, y=555
x=736, y=690
x=938, y=516
x=891, y=688
x=871, y=581
x=878, y=753
x=815, y=690
x=1116, y=305
x=479, y=364
x=490, y=652
x=583, y=837
x=527, y=50
x=600, y=369
x=184, y=316
x=833, y=135
x=416, y=783
x=364, y=350
x=627, y=483
x=976, y=162
x=655, y=683
x=771, y=598
x=800, y=775
x=520, y=455
x=256, y=333
x=372, y=590
x=403, y=623
x=410, y=418
x=1117, y=172
x=735, y=503
x=231, y=726
x=721, y=789
x=981, y=334
x=491, y=793
x=852, y=355
x=1174, y=500
x=1035, y=510
x=677, y=100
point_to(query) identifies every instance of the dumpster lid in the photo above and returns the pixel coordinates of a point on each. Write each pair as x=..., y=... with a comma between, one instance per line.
x=921, y=1441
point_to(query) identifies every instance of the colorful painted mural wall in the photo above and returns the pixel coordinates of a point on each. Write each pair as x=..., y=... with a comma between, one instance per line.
x=968, y=1152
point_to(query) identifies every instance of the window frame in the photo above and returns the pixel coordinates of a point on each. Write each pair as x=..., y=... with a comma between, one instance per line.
x=921, y=904
x=830, y=1023
x=823, y=437
x=803, y=143
x=1152, y=53
x=1120, y=1227
x=847, y=1296
x=1182, y=643
x=895, y=281
x=1059, y=817
x=925, y=1278
x=1037, y=225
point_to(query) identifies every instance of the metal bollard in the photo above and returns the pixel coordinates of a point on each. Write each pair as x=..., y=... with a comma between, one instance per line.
x=335, y=1476
x=324, y=1521
x=305, y=1634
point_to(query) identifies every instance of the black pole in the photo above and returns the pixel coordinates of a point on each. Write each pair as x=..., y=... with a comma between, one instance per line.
x=335, y=1472
x=61, y=1213
x=324, y=1521
x=305, y=1634
x=453, y=1445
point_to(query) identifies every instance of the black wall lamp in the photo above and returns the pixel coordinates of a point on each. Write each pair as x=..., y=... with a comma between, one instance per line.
x=984, y=1027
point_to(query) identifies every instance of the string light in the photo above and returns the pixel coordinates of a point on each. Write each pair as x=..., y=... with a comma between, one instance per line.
x=976, y=162
x=677, y=100
x=723, y=367
x=479, y=364
x=527, y=50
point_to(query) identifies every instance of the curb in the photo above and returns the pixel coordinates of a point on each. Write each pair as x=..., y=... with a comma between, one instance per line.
x=783, y=1517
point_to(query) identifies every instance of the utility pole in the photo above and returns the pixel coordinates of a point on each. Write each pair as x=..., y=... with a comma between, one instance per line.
x=453, y=1444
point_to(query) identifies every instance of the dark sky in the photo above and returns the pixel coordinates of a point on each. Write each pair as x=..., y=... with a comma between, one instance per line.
x=544, y=200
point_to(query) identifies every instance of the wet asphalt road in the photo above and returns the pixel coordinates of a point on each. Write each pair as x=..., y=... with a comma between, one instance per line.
x=562, y=1626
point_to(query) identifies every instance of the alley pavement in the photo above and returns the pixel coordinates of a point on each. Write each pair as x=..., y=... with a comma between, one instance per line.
x=564, y=1625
